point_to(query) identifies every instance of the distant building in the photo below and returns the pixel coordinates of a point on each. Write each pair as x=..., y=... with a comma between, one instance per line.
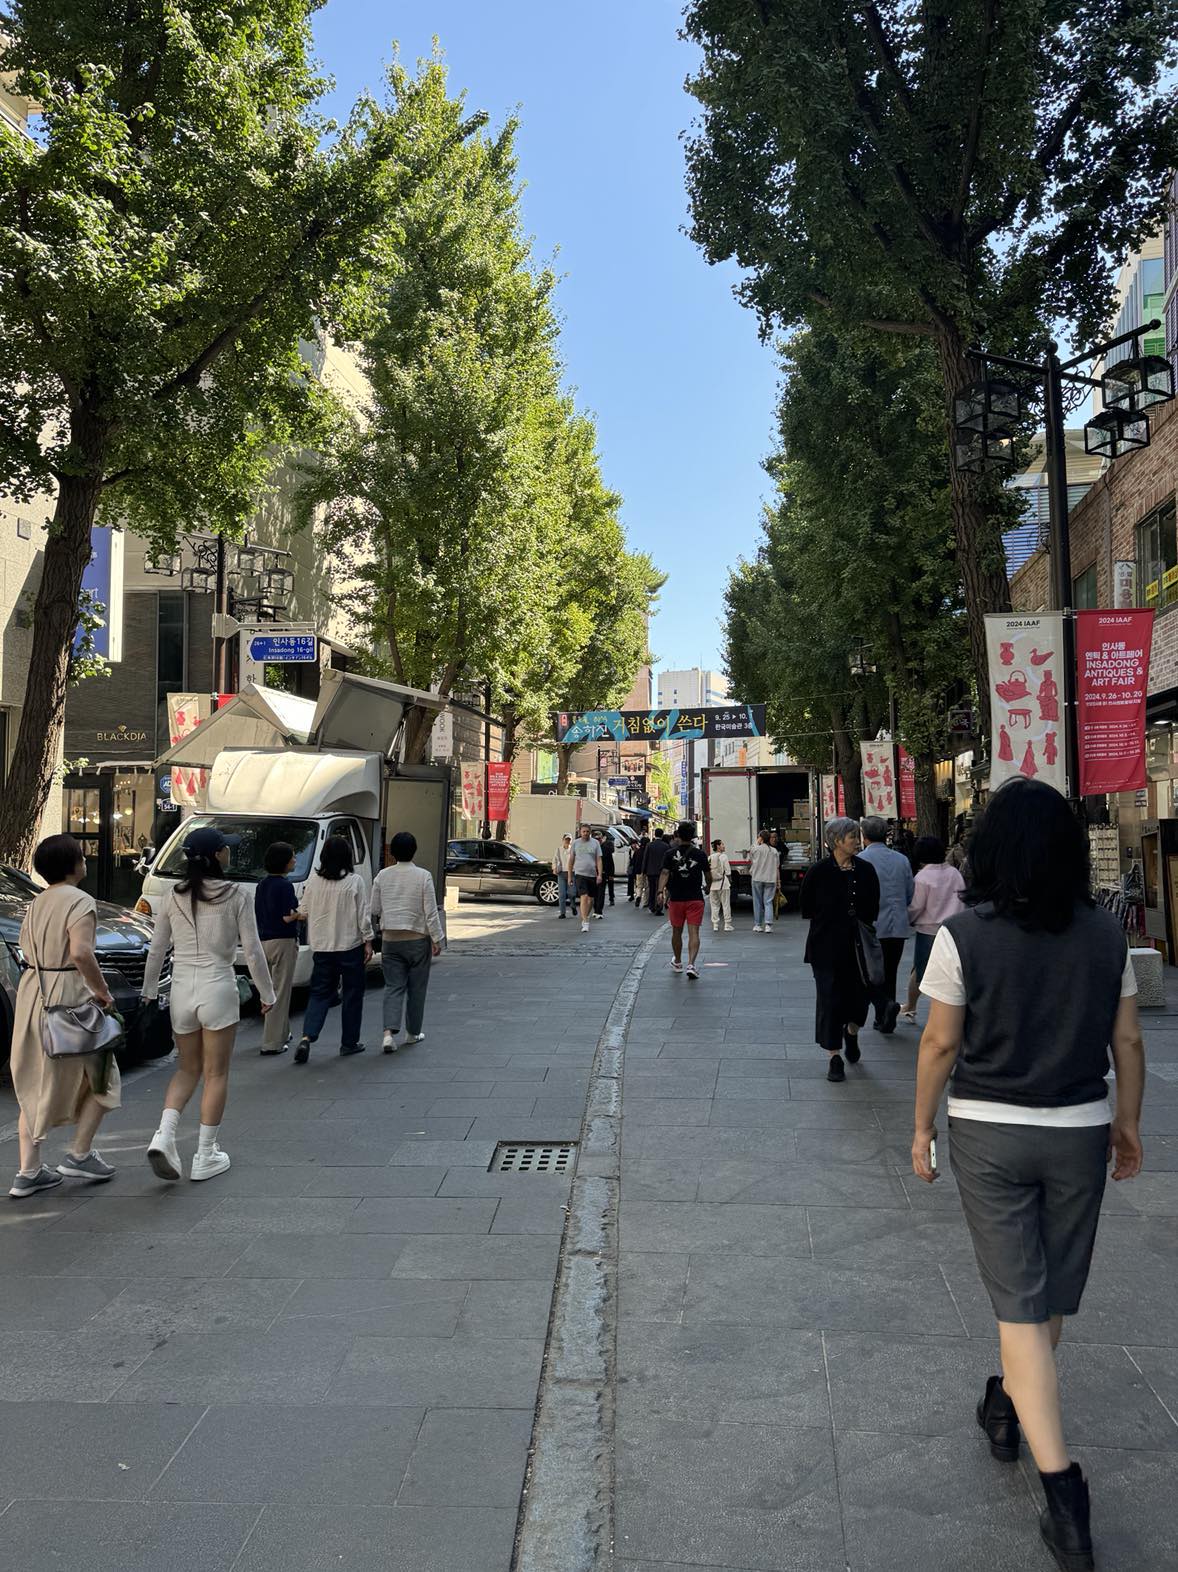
x=1030, y=536
x=1141, y=294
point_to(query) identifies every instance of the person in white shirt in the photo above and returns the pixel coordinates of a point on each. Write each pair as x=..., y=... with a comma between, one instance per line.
x=585, y=868
x=339, y=933
x=720, y=893
x=202, y=920
x=560, y=867
x=765, y=876
x=405, y=909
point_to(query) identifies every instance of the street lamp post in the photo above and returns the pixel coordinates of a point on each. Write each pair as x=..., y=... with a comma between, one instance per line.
x=986, y=417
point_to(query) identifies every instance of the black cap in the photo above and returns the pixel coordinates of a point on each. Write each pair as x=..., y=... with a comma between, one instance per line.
x=207, y=842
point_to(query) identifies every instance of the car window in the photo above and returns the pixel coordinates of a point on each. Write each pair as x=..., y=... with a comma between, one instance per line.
x=518, y=851
x=463, y=850
x=13, y=882
x=351, y=833
x=496, y=851
x=247, y=859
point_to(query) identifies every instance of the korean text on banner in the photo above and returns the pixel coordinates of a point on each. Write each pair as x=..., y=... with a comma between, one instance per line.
x=879, y=779
x=907, y=785
x=1112, y=667
x=473, y=794
x=1026, y=662
x=498, y=789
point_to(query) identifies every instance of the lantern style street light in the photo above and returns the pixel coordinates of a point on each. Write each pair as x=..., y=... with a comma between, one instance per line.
x=983, y=439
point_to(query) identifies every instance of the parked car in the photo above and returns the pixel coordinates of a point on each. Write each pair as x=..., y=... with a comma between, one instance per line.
x=499, y=868
x=121, y=943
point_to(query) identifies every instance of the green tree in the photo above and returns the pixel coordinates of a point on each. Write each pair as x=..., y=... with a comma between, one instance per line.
x=660, y=788
x=960, y=172
x=181, y=221
x=440, y=503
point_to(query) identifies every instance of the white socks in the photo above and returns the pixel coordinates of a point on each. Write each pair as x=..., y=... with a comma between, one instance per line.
x=208, y=1139
x=169, y=1122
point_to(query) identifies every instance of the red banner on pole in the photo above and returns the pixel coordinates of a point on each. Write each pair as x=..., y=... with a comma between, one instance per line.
x=1112, y=672
x=907, y=785
x=498, y=789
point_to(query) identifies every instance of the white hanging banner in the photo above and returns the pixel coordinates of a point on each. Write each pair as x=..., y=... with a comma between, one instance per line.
x=1026, y=662
x=879, y=779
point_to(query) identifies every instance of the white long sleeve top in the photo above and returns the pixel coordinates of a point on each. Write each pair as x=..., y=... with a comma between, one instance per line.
x=336, y=913
x=221, y=925
x=404, y=901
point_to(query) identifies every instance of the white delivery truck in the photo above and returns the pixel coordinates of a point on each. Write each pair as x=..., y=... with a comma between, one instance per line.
x=537, y=823
x=740, y=801
x=295, y=779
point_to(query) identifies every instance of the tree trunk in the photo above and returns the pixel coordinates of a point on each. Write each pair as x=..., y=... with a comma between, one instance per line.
x=564, y=755
x=55, y=617
x=927, y=820
x=418, y=728
x=850, y=765
x=981, y=559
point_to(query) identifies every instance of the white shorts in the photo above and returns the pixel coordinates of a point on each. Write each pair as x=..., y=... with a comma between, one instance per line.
x=204, y=997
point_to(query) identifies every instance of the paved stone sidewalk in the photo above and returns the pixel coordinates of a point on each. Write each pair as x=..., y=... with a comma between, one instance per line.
x=802, y=1335
x=327, y=1358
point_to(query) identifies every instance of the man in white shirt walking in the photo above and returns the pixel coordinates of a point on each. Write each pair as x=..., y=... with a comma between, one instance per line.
x=585, y=869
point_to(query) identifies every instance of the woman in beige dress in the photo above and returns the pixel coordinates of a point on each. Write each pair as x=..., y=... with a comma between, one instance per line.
x=58, y=934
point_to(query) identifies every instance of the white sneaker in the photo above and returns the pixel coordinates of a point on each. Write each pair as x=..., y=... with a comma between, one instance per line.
x=389, y=1042
x=715, y=928
x=584, y=927
x=729, y=929
x=163, y=1156
x=207, y=1165
x=693, y=972
x=415, y=1037
x=768, y=927
x=676, y=967
x=757, y=928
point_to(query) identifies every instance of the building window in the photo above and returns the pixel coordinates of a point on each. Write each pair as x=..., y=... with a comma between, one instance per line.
x=169, y=672
x=1157, y=558
x=1084, y=590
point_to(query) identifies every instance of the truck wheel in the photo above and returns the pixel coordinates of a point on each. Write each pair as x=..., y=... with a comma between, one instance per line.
x=547, y=891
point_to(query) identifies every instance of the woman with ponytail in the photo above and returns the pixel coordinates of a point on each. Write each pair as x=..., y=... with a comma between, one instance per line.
x=203, y=920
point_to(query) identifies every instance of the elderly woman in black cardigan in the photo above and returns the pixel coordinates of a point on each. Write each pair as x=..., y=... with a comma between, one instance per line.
x=836, y=893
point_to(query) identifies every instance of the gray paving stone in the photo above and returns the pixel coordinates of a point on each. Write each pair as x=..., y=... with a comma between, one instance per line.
x=375, y=1181
x=469, y=1108
x=435, y=1215
x=471, y=1181
x=303, y=1454
x=39, y=1304
x=814, y=1183
x=83, y=1366
x=446, y=1154
x=123, y=1536
x=531, y=1213
x=161, y=1307
x=385, y=1308
x=651, y=1286
x=46, y=1253
x=426, y=1539
x=879, y=1239
x=468, y=1457
x=693, y=1226
x=320, y=1255
x=1134, y=1522
x=99, y=1451
x=274, y=1215
x=396, y=1103
x=455, y=1255
x=660, y=1181
x=729, y=1375
x=518, y=1308
x=291, y=1363
x=440, y=1372
x=553, y=1127
x=759, y=1496
x=667, y=1110
x=171, y=1210
x=931, y=1503
x=805, y=1294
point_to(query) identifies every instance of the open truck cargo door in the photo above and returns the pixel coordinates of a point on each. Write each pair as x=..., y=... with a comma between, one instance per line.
x=257, y=717
x=418, y=800
x=364, y=712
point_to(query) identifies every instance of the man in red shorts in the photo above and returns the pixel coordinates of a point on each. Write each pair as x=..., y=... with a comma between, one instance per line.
x=685, y=879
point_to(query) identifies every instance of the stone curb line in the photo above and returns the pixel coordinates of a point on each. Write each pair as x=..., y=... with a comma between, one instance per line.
x=566, y=1511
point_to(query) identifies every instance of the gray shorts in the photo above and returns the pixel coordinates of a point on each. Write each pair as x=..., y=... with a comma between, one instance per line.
x=1031, y=1196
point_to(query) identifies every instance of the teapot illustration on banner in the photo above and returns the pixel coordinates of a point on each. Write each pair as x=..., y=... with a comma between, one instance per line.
x=1015, y=687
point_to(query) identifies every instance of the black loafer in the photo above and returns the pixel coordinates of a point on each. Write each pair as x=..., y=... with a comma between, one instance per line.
x=346, y=1053
x=303, y=1051
x=851, y=1049
x=835, y=1072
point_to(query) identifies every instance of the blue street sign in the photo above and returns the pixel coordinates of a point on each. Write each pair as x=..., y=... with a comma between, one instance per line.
x=619, y=780
x=279, y=649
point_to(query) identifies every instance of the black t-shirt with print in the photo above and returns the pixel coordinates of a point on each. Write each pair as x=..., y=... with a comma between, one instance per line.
x=686, y=867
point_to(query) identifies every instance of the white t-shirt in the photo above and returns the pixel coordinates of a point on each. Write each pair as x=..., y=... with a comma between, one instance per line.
x=944, y=980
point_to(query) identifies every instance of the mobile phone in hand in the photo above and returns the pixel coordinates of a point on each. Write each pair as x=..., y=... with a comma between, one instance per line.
x=932, y=1155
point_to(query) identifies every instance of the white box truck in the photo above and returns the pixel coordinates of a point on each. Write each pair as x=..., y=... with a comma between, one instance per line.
x=537, y=823
x=295, y=780
x=740, y=801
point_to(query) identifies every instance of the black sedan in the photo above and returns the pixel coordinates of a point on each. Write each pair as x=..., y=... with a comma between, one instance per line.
x=121, y=943
x=499, y=868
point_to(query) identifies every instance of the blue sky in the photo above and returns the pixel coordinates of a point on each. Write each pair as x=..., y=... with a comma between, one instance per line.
x=654, y=343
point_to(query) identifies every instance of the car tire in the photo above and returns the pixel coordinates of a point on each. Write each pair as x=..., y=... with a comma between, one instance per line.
x=547, y=890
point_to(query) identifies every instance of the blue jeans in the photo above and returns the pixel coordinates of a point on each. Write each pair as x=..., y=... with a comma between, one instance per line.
x=330, y=969
x=406, y=964
x=763, y=903
x=562, y=880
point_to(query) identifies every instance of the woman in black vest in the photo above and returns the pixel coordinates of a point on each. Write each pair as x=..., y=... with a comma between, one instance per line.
x=1029, y=986
x=836, y=893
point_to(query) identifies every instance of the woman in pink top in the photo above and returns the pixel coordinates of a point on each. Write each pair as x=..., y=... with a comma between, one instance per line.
x=939, y=888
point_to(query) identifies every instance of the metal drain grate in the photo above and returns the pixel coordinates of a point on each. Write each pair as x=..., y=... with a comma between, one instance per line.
x=533, y=1157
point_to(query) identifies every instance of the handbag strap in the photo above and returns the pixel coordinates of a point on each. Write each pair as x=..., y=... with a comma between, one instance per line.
x=40, y=970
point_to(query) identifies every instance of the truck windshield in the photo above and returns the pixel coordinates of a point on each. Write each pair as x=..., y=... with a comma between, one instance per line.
x=247, y=858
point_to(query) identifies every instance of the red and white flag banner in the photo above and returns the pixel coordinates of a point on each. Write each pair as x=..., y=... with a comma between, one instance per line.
x=1026, y=661
x=879, y=779
x=498, y=789
x=1112, y=676
x=473, y=791
x=907, y=785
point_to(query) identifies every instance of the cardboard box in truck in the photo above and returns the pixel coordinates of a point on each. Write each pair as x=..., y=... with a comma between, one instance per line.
x=740, y=801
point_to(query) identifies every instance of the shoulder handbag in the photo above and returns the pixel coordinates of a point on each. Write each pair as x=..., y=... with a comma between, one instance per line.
x=868, y=951
x=71, y=1029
